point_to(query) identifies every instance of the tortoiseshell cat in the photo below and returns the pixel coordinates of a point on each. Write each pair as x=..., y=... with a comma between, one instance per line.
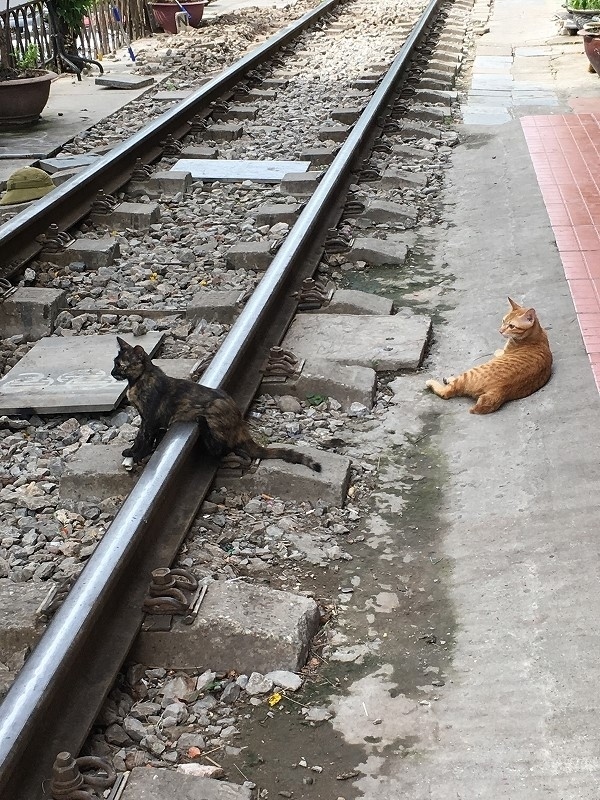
x=162, y=400
x=520, y=369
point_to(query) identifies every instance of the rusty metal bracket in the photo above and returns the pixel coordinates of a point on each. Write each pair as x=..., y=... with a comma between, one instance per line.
x=170, y=591
x=281, y=365
x=71, y=779
x=353, y=208
x=6, y=289
x=171, y=146
x=313, y=294
x=104, y=203
x=337, y=242
x=220, y=107
x=381, y=147
x=369, y=174
x=391, y=127
x=55, y=241
x=198, y=124
x=141, y=172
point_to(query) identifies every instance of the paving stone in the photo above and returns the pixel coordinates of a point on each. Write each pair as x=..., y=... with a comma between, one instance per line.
x=55, y=375
x=370, y=84
x=239, y=169
x=347, y=116
x=138, y=216
x=94, y=253
x=236, y=111
x=333, y=133
x=96, y=471
x=297, y=184
x=277, y=212
x=240, y=626
x=421, y=131
x=250, y=255
x=215, y=305
x=442, y=97
x=294, y=481
x=30, y=311
x=172, y=95
x=385, y=343
x=393, y=178
x=148, y=783
x=412, y=154
x=65, y=175
x=199, y=151
x=258, y=94
x=432, y=83
x=345, y=383
x=319, y=156
x=380, y=212
x=377, y=252
x=19, y=625
x=274, y=83
x=170, y=181
x=352, y=301
x=124, y=81
x=52, y=165
x=426, y=114
x=445, y=65
x=225, y=132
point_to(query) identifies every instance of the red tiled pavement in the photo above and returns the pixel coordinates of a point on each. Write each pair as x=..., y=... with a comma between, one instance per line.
x=565, y=151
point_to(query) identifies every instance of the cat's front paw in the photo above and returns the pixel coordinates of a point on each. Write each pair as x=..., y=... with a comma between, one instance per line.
x=128, y=463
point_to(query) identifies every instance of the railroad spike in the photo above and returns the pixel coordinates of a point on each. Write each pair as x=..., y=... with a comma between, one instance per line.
x=141, y=172
x=169, y=591
x=55, y=240
x=171, y=146
x=104, y=203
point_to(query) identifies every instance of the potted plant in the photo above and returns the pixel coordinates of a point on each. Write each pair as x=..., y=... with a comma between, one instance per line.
x=24, y=86
x=164, y=13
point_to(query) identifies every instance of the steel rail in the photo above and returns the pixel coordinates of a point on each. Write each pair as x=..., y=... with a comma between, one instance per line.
x=71, y=202
x=57, y=694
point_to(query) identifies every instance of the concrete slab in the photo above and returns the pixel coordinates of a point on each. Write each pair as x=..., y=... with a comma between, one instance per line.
x=319, y=156
x=211, y=169
x=95, y=471
x=300, y=185
x=277, y=212
x=149, y=783
x=52, y=165
x=293, y=481
x=199, y=151
x=138, y=216
x=30, y=311
x=352, y=301
x=214, y=305
x=377, y=251
x=394, y=178
x=240, y=626
x=250, y=255
x=169, y=182
x=380, y=212
x=94, y=253
x=346, y=384
x=56, y=377
x=225, y=132
x=382, y=343
x=124, y=81
x=19, y=625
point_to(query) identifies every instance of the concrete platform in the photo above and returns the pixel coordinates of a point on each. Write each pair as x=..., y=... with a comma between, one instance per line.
x=352, y=301
x=30, y=311
x=294, y=481
x=240, y=626
x=213, y=169
x=382, y=343
x=149, y=783
x=55, y=377
x=95, y=471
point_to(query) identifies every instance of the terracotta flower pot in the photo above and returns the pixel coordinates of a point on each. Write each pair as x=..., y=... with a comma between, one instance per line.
x=164, y=14
x=22, y=100
x=591, y=45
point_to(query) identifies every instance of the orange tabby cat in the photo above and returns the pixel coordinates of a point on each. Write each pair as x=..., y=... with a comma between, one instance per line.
x=519, y=370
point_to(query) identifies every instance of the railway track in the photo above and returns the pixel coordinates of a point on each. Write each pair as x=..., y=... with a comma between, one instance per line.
x=60, y=689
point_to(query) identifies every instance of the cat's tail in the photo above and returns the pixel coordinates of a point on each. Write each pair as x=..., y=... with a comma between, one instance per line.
x=290, y=455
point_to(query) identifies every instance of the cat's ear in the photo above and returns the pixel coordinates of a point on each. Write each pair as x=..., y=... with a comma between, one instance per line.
x=139, y=351
x=513, y=305
x=123, y=344
x=529, y=316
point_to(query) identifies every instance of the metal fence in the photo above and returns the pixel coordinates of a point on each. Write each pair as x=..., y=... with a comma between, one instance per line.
x=100, y=32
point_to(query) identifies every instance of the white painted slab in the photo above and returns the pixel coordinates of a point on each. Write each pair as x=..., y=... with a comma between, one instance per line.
x=60, y=375
x=212, y=169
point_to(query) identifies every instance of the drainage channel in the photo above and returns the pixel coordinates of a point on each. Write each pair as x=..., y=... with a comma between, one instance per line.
x=57, y=694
